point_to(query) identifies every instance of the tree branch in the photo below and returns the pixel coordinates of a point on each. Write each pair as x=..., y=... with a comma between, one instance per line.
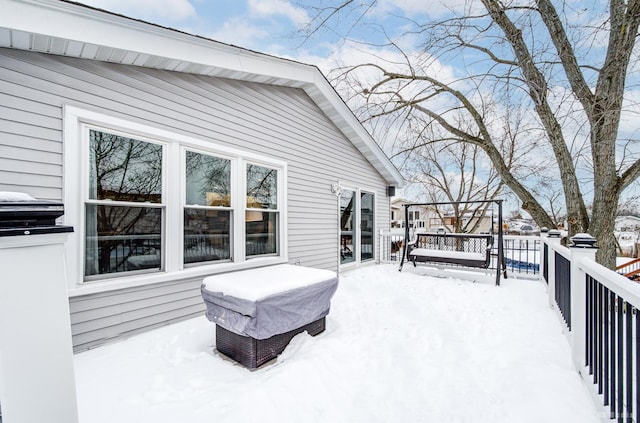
x=538, y=91
x=628, y=176
x=565, y=52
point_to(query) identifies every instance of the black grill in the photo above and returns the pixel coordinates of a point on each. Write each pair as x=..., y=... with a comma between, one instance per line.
x=31, y=217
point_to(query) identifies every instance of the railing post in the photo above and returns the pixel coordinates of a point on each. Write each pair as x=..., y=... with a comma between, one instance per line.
x=544, y=233
x=553, y=237
x=381, y=248
x=583, y=248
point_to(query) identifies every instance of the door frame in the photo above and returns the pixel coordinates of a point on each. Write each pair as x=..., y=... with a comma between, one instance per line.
x=357, y=226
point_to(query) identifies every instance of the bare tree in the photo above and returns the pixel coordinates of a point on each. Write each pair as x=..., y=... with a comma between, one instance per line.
x=454, y=172
x=531, y=56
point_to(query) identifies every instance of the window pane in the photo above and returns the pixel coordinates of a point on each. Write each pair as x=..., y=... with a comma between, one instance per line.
x=208, y=180
x=262, y=233
x=121, y=239
x=262, y=187
x=124, y=169
x=206, y=235
x=347, y=199
x=367, y=238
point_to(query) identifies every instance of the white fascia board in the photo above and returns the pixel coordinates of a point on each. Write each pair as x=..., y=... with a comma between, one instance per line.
x=86, y=25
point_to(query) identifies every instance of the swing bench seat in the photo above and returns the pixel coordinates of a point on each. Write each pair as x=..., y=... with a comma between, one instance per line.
x=469, y=250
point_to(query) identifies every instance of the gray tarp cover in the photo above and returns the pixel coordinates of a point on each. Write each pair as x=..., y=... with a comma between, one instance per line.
x=274, y=314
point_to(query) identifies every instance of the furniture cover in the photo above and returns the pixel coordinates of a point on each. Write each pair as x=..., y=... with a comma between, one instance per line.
x=267, y=301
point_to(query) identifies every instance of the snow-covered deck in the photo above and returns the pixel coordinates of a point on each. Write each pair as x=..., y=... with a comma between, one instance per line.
x=398, y=347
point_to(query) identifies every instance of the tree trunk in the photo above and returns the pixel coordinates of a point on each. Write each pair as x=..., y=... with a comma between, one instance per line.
x=606, y=192
x=538, y=91
x=604, y=118
x=604, y=223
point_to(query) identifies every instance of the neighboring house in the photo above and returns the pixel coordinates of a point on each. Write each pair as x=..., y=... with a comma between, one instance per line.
x=425, y=218
x=177, y=157
x=627, y=233
x=627, y=224
x=450, y=222
x=418, y=215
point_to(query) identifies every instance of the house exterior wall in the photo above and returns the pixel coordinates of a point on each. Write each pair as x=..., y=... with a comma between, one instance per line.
x=278, y=122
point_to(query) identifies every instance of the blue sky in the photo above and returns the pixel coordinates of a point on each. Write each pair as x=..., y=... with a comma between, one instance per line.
x=268, y=26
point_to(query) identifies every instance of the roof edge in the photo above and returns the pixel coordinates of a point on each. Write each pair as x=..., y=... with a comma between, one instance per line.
x=84, y=24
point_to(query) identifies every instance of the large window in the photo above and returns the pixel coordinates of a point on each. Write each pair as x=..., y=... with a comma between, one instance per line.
x=207, y=212
x=124, y=210
x=261, y=216
x=157, y=205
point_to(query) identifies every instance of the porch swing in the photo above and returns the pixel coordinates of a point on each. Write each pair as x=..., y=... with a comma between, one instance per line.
x=458, y=249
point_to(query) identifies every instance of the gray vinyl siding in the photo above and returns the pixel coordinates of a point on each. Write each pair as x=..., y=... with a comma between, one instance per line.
x=279, y=122
x=98, y=318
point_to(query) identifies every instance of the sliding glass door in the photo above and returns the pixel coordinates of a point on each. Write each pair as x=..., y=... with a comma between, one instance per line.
x=367, y=226
x=357, y=226
x=347, y=224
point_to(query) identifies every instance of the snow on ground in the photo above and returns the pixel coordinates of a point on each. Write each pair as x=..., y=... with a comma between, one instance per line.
x=399, y=347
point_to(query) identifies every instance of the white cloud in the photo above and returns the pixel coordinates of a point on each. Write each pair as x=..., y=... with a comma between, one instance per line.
x=629, y=127
x=412, y=7
x=274, y=8
x=151, y=10
x=239, y=32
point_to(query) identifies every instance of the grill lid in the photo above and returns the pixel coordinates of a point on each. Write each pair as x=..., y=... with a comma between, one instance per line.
x=19, y=210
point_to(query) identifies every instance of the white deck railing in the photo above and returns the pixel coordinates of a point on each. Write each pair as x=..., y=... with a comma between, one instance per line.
x=600, y=309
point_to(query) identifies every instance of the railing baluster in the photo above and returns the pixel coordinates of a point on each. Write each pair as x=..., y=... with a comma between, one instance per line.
x=599, y=332
x=545, y=258
x=563, y=287
x=620, y=351
x=589, y=339
x=603, y=342
x=629, y=360
x=612, y=356
x=637, y=360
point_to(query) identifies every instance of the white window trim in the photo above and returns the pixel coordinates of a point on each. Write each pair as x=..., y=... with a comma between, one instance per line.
x=232, y=207
x=358, y=190
x=375, y=223
x=75, y=185
x=83, y=184
x=355, y=241
x=244, y=208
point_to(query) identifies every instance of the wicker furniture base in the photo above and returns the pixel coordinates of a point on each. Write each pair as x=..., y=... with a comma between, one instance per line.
x=251, y=352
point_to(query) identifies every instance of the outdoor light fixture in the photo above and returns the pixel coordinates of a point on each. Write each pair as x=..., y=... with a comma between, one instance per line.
x=583, y=241
x=336, y=188
x=554, y=233
x=391, y=191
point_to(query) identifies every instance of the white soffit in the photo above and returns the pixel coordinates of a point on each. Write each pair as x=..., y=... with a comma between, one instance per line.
x=69, y=29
